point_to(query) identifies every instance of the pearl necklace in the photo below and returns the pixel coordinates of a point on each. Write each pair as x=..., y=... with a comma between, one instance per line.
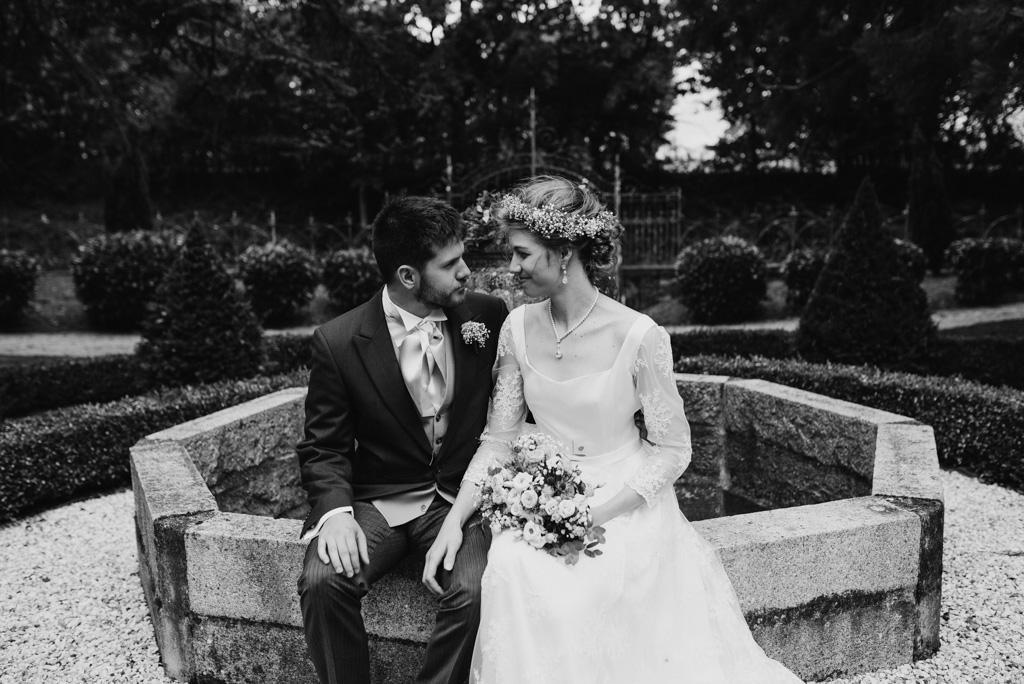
x=559, y=338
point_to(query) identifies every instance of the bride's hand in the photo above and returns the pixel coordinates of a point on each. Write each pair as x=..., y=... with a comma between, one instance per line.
x=599, y=515
x=445, y=547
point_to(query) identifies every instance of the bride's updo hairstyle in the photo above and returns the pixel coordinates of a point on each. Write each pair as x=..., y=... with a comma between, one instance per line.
x=559, y=213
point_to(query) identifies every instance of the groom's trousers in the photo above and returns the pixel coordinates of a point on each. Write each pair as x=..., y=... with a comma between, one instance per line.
x=330, y=601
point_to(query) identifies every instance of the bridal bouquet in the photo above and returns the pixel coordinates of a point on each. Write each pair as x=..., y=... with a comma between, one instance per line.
x=542, y=498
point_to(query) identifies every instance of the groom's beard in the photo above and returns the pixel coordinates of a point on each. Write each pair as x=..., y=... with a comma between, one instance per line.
x=438, y=298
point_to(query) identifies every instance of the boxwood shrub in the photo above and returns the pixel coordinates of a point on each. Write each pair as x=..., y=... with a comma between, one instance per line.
x=51, y=457
x=19, y=272
x=986, y=268
x=351, y=277
x=977, y=427
x=279, y=278
x=721, y=280
x=117, y=275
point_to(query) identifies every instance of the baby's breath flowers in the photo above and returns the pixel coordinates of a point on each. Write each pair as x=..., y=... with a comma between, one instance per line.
x=475, y=332
x=551, y=221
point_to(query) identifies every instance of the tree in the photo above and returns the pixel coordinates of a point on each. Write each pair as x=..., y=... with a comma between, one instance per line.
x=929, y=213
x=866, y=308
x=842, y=84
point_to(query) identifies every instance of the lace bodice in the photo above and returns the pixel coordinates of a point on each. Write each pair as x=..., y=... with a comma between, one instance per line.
x=591, y=414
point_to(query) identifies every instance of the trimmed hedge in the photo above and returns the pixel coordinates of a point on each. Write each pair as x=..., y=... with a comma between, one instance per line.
x=977, y=427
x=991, y=360
x=52, y=457
x=47, y=385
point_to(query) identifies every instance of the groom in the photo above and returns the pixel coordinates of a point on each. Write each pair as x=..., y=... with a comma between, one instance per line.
x=398, y=395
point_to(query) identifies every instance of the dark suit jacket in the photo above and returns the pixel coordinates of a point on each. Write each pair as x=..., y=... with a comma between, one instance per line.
x=363, y=437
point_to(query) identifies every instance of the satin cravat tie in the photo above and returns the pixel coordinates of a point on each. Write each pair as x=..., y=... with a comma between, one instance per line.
x=418, y=356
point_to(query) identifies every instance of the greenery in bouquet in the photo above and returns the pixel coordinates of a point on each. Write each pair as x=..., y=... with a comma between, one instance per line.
x=480, y=226
x=542, y=498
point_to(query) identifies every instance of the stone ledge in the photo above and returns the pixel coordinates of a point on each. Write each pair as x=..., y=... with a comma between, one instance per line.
x=833, y=588
x=794, y=556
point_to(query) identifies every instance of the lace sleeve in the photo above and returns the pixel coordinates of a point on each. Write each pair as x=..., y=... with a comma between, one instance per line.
x=667, y=428
x=507, y=411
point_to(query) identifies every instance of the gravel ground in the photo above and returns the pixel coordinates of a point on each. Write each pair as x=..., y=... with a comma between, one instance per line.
x=72, y=609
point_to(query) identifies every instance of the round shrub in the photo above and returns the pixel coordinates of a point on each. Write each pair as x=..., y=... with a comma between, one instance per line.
x=18, y=275
x=279, y=278
x=983, y=269
x=351, y=277
x=800, y=270
x=721, y=280
x=117, y=275
x=201, y=327
x=866, y=308
x=914, y=260
x=1015, y=251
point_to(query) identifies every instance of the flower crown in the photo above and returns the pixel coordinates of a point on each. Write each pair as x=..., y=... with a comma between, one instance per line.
x=550, y=221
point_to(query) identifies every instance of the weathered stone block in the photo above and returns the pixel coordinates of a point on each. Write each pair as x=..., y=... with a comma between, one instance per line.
x=227, y=650
x=839, y=634
x=270, y=488
x=707, y=458
x=833, y=432
x=789, y=557
x=776, y=477
x=169, y=497
x=702, y=397
x=906, y=462
x=240, y=437
x=701, y=498
x=246, y=567
x=928, y=592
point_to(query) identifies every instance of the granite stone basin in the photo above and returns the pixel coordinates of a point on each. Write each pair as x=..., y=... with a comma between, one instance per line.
x=840, y=574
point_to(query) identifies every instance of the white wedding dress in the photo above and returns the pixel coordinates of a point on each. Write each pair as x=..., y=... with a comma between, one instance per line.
x=657, y=606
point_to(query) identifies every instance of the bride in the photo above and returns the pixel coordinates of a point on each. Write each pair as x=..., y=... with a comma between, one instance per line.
x=656, y=606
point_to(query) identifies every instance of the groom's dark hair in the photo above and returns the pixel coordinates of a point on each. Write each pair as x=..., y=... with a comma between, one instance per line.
x=410, y=230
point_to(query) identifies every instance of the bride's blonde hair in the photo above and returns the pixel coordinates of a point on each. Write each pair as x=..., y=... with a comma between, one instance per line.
x=598, y=252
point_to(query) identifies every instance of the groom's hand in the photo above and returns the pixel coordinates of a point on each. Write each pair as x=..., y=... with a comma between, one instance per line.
x=445, y=547
x=342, y=544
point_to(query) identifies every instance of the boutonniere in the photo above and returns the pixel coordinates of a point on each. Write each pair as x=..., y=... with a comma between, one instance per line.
x=475, y=332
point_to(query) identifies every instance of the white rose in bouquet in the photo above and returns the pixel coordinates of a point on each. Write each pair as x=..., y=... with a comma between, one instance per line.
x=533, y=535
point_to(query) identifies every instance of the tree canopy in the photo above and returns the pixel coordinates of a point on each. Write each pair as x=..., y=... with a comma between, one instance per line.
x=324, y=93
x=842, y=84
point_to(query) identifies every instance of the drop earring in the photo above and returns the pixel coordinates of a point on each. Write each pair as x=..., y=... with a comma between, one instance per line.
x=565, y=275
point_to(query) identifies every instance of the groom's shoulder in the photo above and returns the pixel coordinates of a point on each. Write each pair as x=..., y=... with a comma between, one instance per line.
x=349, y=323
x=487, y=305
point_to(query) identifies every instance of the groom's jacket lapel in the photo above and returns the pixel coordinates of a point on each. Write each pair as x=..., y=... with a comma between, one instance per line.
x=468, y=360
x=377, y=351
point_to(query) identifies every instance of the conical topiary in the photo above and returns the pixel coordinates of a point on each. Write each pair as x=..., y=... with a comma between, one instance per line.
x=866, y=307
x=201, y=327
